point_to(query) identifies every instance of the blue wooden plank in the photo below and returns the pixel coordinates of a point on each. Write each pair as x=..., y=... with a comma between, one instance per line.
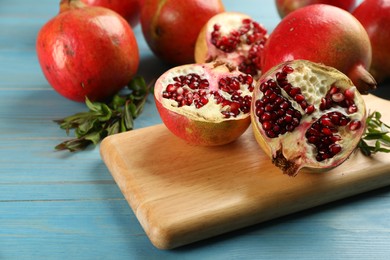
x=56, y=205
x=106, y=228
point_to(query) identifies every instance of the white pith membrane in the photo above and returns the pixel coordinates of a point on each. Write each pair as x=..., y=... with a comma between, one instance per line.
x=314, y=83
x=212, y=72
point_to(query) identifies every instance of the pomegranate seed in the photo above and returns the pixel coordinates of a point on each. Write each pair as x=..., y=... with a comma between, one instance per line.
x=284, y=105
x=271, y=134
x=338, y=97
x=354, y=125
x=303, y=104
x=334, y=90
x=326, y=121
x=343, y=121
x=267, y=125
x=287, y=69
x=312, y=139
x=335, y=138
x=335, y=148
x=268, y=108
x=288, y=118
x=281, y=77
x=266, y=116
x=294, y=91
x=166, y=94
x=179, y=91
x=204, y=100
x=310, y=109
x=352, y=109
x=349, y=93
x=171, y=88
x=287, y=87
x=299, y=98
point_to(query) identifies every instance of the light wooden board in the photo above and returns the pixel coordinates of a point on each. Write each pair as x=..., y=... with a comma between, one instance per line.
x=181, y=194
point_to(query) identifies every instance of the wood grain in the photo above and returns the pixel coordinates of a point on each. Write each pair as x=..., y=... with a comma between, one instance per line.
x=181, y=193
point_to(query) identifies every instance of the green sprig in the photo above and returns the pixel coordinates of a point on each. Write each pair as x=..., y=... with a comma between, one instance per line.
x=376, y=137
x=105, y=119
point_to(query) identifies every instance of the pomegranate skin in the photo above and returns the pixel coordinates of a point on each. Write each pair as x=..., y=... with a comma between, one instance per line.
x=87, y=52
x=128, y=9
x=375, y=17
x=171, y=27
x=285, y=7
x=201, y=133
x=324, y=34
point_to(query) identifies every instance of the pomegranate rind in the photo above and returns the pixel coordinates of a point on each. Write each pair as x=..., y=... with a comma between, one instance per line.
x=70, y=46
x=205, y=126
x=170, y=28
x=342, y=43
x=375, y=17
x=202, y=133
x=285, y=7
x=291, y=151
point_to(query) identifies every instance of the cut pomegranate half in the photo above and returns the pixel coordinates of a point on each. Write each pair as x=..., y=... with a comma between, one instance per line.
x=305, y=114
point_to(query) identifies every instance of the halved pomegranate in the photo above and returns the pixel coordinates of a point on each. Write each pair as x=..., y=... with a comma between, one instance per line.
x=205, y=104
x=234, y=38
x=306, y=114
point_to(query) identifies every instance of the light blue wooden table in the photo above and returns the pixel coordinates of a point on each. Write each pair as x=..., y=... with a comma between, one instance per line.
x=57, y=205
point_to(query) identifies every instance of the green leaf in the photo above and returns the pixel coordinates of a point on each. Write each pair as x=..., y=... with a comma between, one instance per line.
x=106, y=113
x=104, y=118
x=128, y=116
x=376, y=131
x=93, y=106
x=94, y=137
x=113, y=128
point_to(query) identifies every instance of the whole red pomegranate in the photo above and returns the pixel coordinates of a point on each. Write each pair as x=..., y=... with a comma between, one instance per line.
x=128, y=9
x=87, y=51
x=375, y=17
x=234, y=38
x=306, y=114
x=324, y=34
x=171, y=27
x=205, y=104
x=287, y=6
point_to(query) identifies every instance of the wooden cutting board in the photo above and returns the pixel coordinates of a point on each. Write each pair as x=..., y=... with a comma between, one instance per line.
x=181, y=193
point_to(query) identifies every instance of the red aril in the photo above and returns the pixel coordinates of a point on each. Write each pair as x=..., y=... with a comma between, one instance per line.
x=375, y=17
x=128, y=9
x=205, y=104
x=287, y=6
x=87, y=52
x=172, y=27
x=234, y=38
x=324, y=34
x=305, y=114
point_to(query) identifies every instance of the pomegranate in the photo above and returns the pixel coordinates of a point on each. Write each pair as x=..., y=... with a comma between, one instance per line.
x=171, y=27
x=287, y=6
x=205, y=104
x=375, y=17
x=324, y=34
x=235, y=38
x=87, y=51
x=128, y=9
x=306, y=114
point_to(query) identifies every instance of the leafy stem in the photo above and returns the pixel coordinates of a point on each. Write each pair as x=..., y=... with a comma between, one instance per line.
x=376, y=137
x=105, y=119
